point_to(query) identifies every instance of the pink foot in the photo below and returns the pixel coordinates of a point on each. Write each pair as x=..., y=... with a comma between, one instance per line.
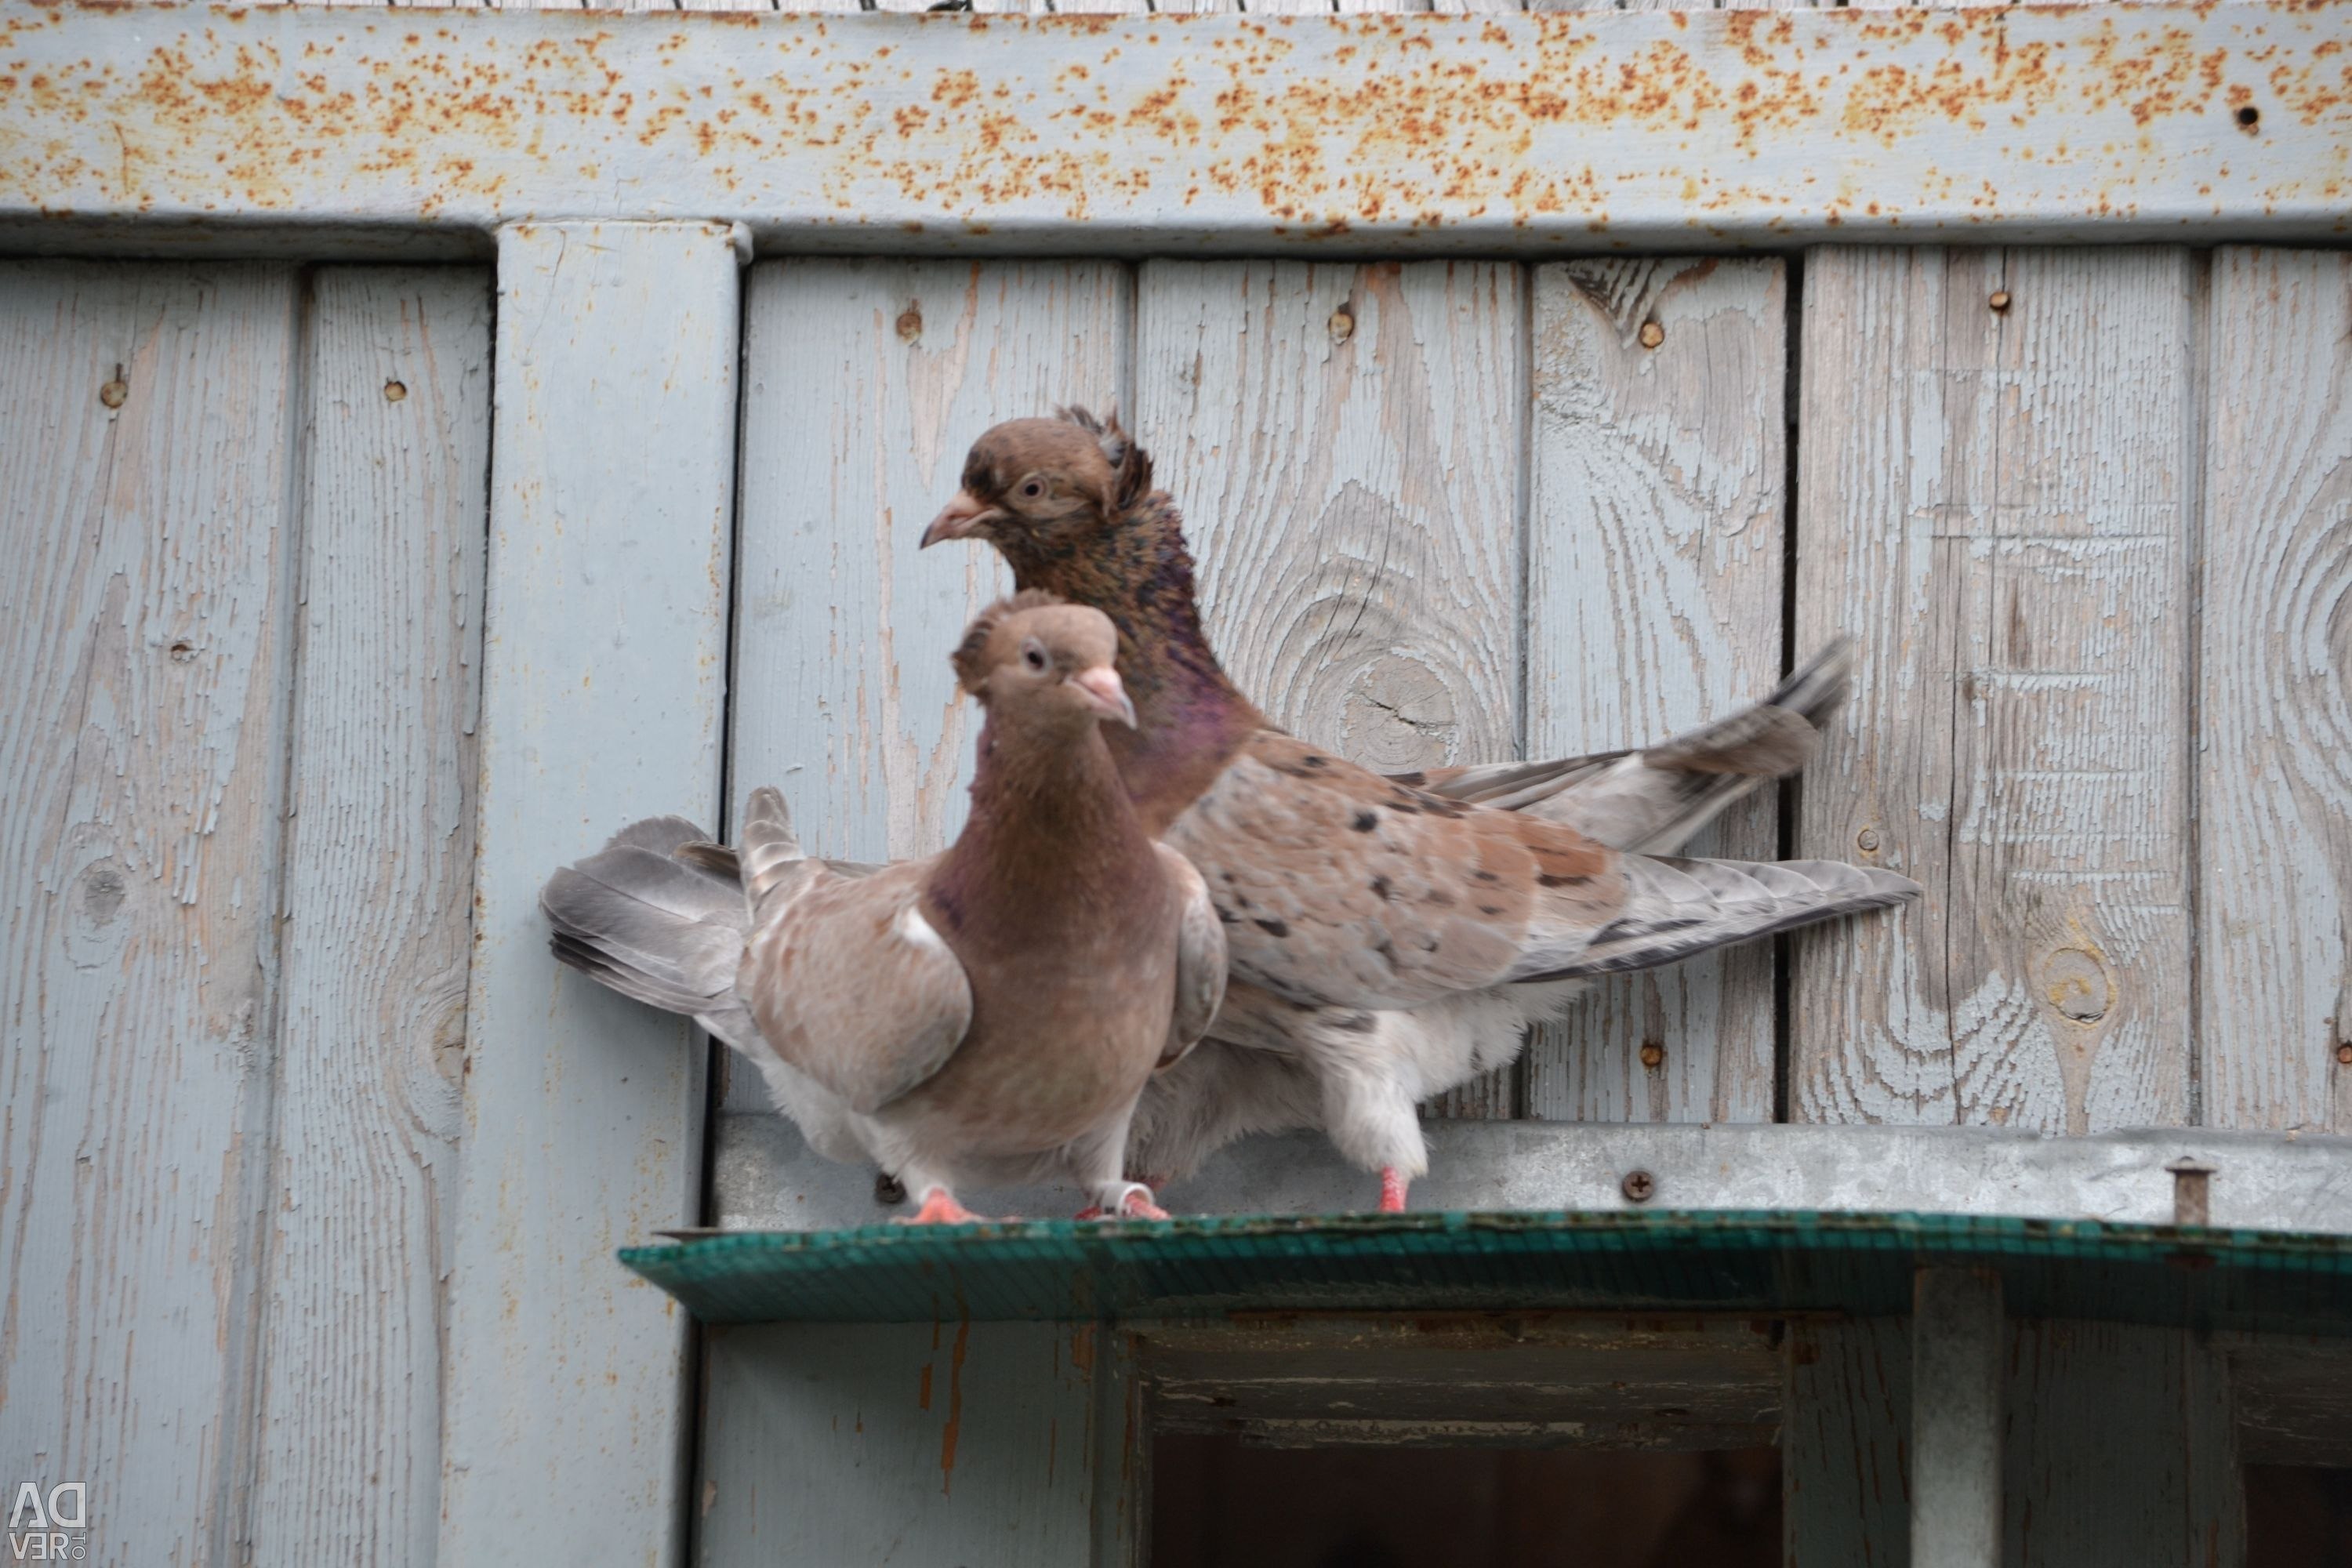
x=1392, y=1188
x=939, y=1207
x=1135, y=1204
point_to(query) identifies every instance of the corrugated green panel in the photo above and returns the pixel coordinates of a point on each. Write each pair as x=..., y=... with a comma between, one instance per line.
x=1724, y=1261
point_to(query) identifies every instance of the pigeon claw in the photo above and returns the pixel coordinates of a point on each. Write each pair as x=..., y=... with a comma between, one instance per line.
x=939, y=1207
x=1393, y=1190
x=1133, y=1203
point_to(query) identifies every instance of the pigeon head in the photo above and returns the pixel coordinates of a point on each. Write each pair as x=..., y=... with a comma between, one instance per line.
x=1035, y=657
x=1038, y=489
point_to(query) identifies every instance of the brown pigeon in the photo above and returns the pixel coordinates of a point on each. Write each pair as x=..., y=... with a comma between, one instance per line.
x=987, y=1016
x=1392, y=936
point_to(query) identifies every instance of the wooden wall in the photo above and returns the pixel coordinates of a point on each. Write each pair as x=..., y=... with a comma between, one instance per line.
x=242, y=507
x=2086, y=512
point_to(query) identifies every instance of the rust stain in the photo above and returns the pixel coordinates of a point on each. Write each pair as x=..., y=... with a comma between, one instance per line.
x=954, y=1428
x=923, y=1388
x=1321, y=124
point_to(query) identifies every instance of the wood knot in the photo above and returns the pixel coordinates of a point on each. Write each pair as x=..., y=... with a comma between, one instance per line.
x=183, y=651
x=1651, y=334
x=2076, y=983
x=910, y=323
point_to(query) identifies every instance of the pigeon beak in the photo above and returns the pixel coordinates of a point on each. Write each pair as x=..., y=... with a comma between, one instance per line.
x=960, y=519
x=1105, y=694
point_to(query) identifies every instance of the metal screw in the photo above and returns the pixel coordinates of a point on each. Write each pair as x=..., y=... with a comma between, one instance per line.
x=394, y=391
x=1638, y=1186
x=114, y=393
x=2344, y=1053
x=910, y=323
x=1653, y=1054
x=1651, y=334
x=2192, y=1191
x=887, y=1192
x=2000, y=300
x=1343, y=324
x=1867, y=840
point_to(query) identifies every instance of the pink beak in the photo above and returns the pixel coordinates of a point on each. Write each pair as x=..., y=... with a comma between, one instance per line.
x=1105, y=693
x=958, y=519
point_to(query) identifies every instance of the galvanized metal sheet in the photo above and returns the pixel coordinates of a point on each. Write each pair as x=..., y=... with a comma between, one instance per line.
x=768, y=1178
x=165, y=124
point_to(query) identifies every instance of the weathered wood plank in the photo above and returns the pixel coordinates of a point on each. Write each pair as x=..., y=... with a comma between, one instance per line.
x=2119, y=1446
x=972, y=1444
x=867, y=384
x=1656, y=563
x=1844, y=1439
x=1996, y=475
x=146, y=414
x=603, y=674
x=379, y=883
x=1958, y=1335
x=1345, y=444
x=2275, y=731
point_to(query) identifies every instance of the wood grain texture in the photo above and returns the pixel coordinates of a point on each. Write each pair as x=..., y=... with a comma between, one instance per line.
x=1656, y=534
x=867, y=381
x=1345, y=444
x=972, y=1444
x=380, y=871
x=603, y=673
x=144, y=616
x=2275, y=732
x=1997, y=506
x=1845, y=1429
x=2118, y=1447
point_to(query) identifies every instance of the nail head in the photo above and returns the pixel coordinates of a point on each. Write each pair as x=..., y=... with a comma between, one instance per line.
x=1652, y=334
x=910, y=324
x=1867, y=840
x=113, y=394
x=394, y=390
x=1653, y=1054
x=2000, y=300
x=1343, y=324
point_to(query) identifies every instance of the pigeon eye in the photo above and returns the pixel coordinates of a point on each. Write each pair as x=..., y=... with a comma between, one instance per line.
x=1032, y=656
x=1033, y=489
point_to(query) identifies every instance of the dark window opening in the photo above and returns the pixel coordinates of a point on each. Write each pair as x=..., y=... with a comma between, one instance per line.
x=1217, y=1502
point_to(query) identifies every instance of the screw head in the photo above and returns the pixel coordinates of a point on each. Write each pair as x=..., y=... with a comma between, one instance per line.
x=394, y=390
x=910, y=324
x=1867, y=840
x=1639, y=1187
x=1653, y=1054
x=114, y=393
x=1651, y=334
x=2344, y=1053
x=2000, y=300
x=1342, y=324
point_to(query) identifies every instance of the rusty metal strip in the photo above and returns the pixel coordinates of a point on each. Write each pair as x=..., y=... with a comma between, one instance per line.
x=379, y=132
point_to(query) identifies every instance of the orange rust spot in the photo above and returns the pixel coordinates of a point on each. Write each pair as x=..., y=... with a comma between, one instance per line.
x=954, y=1428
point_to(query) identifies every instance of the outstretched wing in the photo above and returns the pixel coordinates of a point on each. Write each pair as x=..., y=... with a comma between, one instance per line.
x=853, y=987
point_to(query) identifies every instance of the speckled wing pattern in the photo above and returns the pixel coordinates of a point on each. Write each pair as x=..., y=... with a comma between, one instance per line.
x=851, y=986
x=1339, y=887
x=1199, y=957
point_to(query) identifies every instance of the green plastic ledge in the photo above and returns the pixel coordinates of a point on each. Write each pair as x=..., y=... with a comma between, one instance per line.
x=1723, y=1261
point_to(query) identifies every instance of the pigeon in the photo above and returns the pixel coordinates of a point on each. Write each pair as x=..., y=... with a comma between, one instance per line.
x=986, y=1016
x=1392, y=937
